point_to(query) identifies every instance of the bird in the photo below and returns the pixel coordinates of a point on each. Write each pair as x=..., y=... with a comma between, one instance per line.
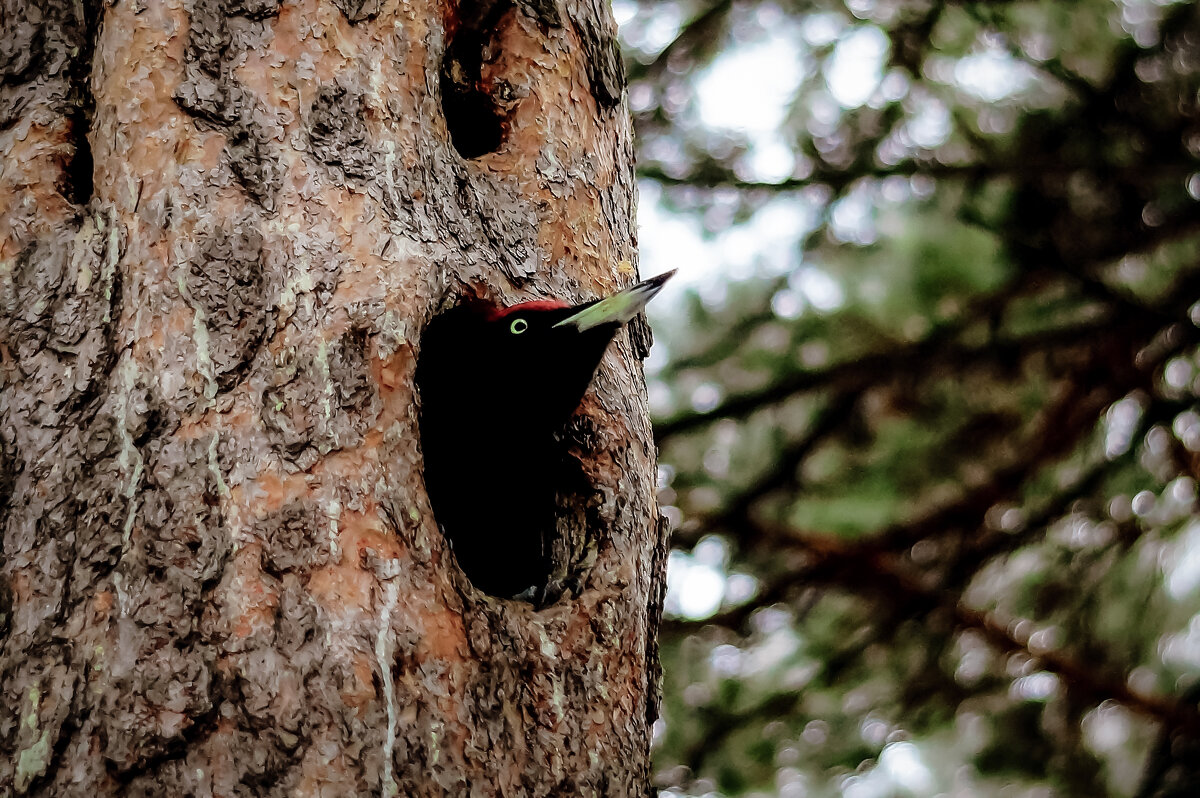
x=497, y=386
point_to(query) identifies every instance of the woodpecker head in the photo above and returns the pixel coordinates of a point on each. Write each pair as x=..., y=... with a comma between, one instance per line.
x=531, y=361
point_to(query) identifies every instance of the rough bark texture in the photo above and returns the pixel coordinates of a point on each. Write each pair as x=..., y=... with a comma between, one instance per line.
x=223, y=226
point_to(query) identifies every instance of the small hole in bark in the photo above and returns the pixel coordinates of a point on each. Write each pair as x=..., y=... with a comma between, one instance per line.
x=475, y=124
x=80, y=168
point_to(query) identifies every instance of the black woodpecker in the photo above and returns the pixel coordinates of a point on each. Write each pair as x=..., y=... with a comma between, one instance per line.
x=497, y=385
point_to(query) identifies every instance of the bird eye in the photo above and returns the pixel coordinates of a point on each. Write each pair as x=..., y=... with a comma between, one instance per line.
x=518, y=326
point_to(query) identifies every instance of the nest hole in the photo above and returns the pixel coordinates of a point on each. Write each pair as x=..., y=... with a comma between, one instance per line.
x=475, y=123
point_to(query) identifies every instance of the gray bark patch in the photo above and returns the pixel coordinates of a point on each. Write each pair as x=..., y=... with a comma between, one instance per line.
x=58, y=308
x=57, y=313
x=218, y=33
x=291, y=539
x=253, y=9
x=205, y=90
x=45, y=57
x=159, y=705
x=337, y=134
x=252, y=159
x=226, y=282
x=45, y=705
x=546, y=12
x=181, y=536
x=359, y=10
x=324, y=400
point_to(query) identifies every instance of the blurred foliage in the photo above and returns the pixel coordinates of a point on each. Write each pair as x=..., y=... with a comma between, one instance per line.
x=928, y=413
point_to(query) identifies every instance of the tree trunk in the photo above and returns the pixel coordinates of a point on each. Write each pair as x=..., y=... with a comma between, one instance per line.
x=223, y=226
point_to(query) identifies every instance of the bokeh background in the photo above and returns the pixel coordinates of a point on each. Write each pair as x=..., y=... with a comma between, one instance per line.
x=926, y=393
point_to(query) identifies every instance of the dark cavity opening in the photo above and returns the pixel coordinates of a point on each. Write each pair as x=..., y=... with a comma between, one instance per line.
x=476, y=125
x=79, y=172
x=511, y=500
x=81, y=167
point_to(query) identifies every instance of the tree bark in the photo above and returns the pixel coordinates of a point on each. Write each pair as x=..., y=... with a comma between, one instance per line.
x=223, y=226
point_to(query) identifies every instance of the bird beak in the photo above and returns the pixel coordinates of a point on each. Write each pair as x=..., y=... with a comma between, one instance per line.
x=618, y=308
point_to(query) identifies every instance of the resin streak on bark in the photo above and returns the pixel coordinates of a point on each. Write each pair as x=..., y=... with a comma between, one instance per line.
x=220, y=572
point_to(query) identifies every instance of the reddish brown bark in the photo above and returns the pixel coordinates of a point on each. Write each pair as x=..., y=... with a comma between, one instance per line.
x=223, y=226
